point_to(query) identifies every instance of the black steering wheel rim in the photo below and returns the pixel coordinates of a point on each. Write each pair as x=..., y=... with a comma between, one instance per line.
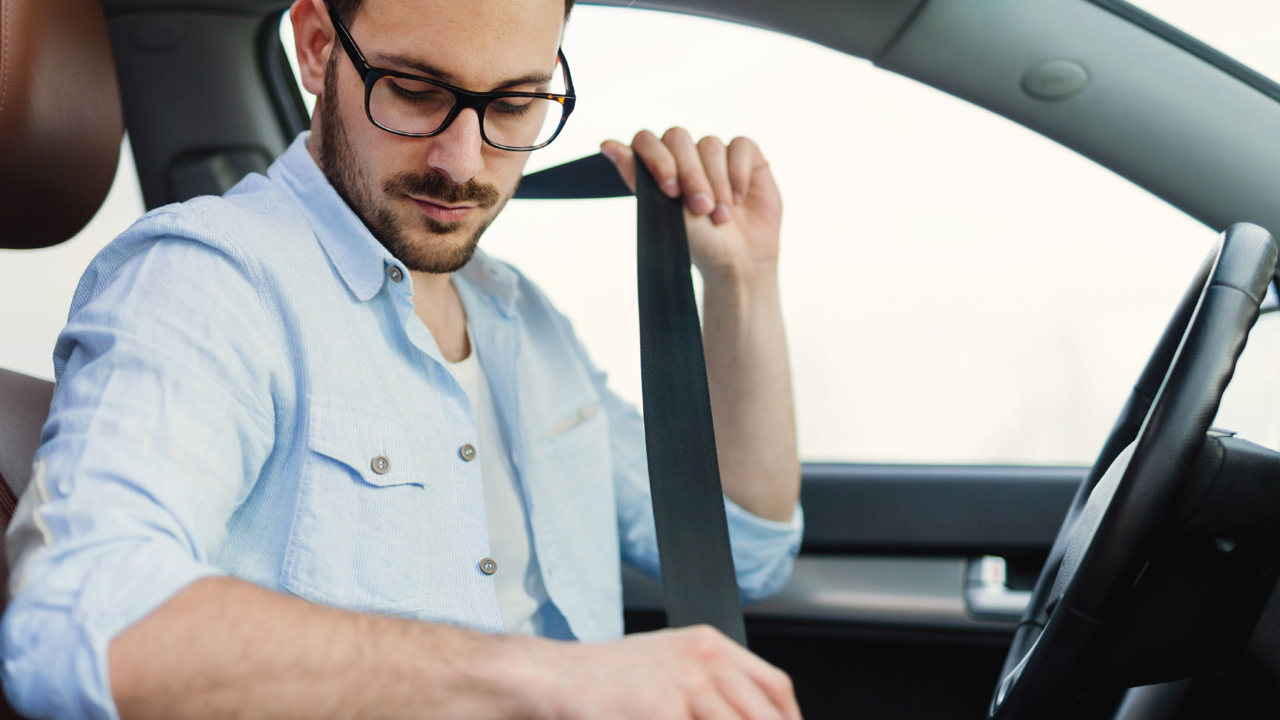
x=1131, y=488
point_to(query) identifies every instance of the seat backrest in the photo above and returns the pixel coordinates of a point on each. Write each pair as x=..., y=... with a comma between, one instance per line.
x=60, y=130
x=61, y=121
x=61, y=125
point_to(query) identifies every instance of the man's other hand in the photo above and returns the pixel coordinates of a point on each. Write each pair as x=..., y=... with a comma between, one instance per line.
x=685, y=674
x=733, y=210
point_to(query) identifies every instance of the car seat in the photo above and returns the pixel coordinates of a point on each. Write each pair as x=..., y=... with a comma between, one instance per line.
x=61, y=126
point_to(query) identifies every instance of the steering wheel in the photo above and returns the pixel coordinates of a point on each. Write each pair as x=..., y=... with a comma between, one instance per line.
x=1134, y=484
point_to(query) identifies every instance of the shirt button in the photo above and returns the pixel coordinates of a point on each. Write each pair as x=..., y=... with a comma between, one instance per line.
x=488, y=566
x=380, y=465
x=395, y=273
x=468, y=452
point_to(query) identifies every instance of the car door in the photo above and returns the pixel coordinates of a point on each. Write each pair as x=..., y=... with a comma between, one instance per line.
x=968, y=305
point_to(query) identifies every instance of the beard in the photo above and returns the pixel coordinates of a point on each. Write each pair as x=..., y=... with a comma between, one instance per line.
x=439, y=252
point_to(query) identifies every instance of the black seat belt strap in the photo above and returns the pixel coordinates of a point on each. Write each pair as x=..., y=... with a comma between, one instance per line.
x=698, y=580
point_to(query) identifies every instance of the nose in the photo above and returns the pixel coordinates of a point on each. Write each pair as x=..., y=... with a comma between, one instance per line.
x=458, y=151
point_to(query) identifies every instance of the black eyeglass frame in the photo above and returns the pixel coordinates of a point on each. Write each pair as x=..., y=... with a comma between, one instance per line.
x=462, y=99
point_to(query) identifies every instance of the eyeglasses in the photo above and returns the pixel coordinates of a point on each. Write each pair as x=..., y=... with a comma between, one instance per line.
x=416, y=106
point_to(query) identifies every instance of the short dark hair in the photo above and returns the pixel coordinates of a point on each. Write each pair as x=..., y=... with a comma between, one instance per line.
x=346, y=9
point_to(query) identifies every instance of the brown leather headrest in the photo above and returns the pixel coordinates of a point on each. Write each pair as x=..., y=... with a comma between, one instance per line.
x=60, y=119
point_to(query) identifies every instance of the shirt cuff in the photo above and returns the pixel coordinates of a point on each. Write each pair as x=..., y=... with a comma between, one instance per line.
x=57, y=632
x=764, y=550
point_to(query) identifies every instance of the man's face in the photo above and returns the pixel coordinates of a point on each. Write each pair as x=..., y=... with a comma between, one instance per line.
x=429, y=199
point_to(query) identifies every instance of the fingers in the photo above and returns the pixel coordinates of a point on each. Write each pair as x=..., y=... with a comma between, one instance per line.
x=690, y=173
x=690, y=674
x=715, y=166
x=710, y=706
x=743, y=158
x=659, y=161
x=711, y=177
x=754, y=689
x=624, y=159
x=747, y=698
x=774, y=685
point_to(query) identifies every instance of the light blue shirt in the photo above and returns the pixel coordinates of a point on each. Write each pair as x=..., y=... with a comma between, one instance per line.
x=244, y=389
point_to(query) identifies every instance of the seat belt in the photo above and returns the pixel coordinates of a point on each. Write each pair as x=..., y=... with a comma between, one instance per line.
x=699, y=585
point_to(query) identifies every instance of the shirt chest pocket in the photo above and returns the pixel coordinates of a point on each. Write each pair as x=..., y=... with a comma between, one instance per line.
x=573, y=461
x=359, y=538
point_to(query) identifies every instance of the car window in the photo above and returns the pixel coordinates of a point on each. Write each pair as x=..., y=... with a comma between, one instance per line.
x=1245, y=30
x=41, y=282
x=957, y=288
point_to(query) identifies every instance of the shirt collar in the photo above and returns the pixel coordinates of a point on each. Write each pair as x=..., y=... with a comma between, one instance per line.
x=493, y=278
x=360, y=259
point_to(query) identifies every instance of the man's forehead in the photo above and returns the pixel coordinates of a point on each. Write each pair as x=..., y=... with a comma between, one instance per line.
x=462, y=41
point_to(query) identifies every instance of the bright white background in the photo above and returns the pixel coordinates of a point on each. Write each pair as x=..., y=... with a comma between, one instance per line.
x=956, y=288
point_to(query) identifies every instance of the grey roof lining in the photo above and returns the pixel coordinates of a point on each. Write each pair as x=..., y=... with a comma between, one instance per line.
x=1170, y=121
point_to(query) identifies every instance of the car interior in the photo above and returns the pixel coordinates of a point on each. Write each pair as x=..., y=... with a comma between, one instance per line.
x=1143, y=587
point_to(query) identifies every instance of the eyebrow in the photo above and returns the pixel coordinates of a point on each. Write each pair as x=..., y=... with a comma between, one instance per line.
x=432, y=71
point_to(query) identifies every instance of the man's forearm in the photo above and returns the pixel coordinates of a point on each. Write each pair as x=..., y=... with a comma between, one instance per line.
x=751, y=399
x=225, y=648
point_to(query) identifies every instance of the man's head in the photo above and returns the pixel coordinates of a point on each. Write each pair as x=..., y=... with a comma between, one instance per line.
x=346, y=9
x=427, y=199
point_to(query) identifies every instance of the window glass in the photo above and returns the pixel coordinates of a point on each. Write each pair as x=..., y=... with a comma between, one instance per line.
x=1246, y=30
x=957, y=289
x=42, y=282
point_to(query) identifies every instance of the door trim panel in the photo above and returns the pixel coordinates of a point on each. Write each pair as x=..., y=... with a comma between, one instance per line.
x=958, y=511
x=913, y=593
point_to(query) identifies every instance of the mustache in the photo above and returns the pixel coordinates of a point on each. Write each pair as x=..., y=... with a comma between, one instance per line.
x=438, y=186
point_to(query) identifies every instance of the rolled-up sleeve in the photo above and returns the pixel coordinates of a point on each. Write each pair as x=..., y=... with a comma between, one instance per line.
x=161, y=419
x=764, y=551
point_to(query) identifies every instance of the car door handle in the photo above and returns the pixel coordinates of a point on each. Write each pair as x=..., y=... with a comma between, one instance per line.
x=987, y=595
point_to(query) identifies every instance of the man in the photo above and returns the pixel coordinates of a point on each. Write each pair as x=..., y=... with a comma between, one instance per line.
x=287, y=416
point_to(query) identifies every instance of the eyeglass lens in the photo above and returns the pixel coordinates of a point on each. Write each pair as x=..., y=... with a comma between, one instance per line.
x=417, y=107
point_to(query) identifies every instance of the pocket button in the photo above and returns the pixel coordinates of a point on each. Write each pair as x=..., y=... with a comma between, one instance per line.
x=380, y=465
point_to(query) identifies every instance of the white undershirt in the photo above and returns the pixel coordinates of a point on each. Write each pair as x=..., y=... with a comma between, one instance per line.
x=518, y=580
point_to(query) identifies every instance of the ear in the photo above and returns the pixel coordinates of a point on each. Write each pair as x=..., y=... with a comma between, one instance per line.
x=314, y=39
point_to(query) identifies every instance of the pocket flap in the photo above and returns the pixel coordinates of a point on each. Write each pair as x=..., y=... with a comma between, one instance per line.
x=376, y=447
x=573, y=420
